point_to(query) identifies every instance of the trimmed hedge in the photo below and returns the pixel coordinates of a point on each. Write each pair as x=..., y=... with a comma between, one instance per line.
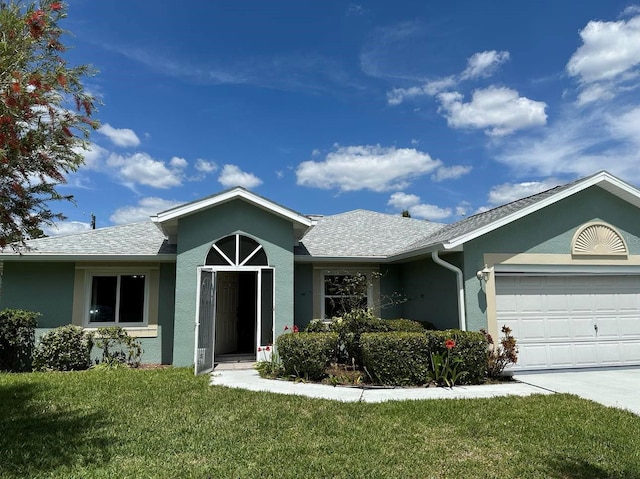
x=306, y=355
x=406, y=325
x=67, y=348
x=17, y=339
x=471, y=347
x=396, y=358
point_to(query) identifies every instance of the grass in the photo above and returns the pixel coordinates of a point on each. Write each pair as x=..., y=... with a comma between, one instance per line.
x=168, y=423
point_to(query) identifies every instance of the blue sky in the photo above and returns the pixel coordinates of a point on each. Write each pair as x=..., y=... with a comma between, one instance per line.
x=441, y=108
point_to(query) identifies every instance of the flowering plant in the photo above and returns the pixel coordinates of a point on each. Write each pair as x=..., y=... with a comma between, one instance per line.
x=444, y=368
x=293, y=329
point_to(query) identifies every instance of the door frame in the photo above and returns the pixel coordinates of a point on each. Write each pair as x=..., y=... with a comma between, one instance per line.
x=258, y=325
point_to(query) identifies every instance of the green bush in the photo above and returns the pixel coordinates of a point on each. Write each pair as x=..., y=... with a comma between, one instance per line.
x=317, y=326
x=67, y=348
x=396, y=358
x=306, y=355
x=470, y=347
x=118, y=348
x=406, y=325
x=349, y=329
x=17, y=339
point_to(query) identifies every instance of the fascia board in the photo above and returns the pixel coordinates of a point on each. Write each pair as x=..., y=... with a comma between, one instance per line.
x=339, y=259
x=161, y=258
x=185, y=210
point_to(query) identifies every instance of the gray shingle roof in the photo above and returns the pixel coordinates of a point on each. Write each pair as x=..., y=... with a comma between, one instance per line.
x=363, y=233
x=472, y=223
x=136, y=239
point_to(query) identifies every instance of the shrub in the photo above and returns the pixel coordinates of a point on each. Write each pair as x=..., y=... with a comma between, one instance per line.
x=118, y=347
x=306, y=355
x=271, y=367
x=349, y=329
x=396, y=358
x=17, y=339
x=406, y=325
x=501, y=356
x=317, y=326
x=67, y=348
x=470, y=347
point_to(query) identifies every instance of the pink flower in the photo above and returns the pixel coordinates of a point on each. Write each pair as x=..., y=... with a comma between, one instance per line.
x=449, y=344
x=295, y=328
x=55, y=6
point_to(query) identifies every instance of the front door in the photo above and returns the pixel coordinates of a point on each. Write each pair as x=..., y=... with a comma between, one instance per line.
x=227, y=313
x=205, y=322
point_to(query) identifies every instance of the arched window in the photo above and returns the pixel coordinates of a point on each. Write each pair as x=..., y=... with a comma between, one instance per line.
x=236, y=250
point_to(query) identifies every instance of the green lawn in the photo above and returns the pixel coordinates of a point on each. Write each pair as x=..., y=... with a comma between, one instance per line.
x=168, y=423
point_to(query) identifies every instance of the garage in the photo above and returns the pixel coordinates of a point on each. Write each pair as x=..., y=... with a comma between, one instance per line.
x=571, y=321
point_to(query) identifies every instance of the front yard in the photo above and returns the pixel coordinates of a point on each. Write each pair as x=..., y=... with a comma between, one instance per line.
x=168, y=423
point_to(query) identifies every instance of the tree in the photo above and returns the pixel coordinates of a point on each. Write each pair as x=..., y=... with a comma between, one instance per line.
x=45, y=117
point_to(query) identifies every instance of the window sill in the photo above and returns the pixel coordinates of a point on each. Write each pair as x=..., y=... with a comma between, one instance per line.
x=150, y=331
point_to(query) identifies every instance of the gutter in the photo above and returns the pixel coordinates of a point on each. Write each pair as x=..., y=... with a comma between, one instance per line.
x=462, y=322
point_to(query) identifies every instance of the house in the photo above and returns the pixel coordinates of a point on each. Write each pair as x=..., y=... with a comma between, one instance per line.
x=226, y=274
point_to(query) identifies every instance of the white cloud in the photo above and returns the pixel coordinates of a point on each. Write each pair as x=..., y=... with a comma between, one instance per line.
x=595, y=92
x=145, y=208
x=508, y=192
x=499, y=111
x=66, y=228
x=484, y=64
x=94, y=155
x=481, y=64
x=431, y=88
x=179, y=163
x=450, y=172
x=403, y=201
x=608, y=50
x=120, y=136
x=626, y=126
x=140, y=168
x=463, y=208
x=232, y=176
x=204, y=166
x=367, y=167
x=429, y=212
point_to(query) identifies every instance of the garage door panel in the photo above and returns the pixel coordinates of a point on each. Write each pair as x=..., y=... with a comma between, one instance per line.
x=629, y=327
x=630, y=351
x=553, y=319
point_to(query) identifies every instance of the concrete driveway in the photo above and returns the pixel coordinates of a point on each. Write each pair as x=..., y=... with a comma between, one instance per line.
x=617, y=387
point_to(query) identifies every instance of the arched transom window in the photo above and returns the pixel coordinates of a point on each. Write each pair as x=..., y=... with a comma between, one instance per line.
x=236, y=250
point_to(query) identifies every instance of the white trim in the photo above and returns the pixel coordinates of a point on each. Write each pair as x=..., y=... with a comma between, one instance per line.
x=462, y=315
x=565, y=270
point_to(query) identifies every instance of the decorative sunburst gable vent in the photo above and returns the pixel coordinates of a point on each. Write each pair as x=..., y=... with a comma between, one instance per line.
x=598, y=239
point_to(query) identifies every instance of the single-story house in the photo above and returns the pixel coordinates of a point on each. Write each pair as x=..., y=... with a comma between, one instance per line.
x=229, y=273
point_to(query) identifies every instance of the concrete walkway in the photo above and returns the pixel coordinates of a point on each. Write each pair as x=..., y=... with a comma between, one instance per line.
x=249, y=379
x=616, y=387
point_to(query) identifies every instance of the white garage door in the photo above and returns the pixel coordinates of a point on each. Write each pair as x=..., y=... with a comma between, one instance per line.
x=571, y=321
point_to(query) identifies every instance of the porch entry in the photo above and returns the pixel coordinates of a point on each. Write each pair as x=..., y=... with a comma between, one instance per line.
x=235, y=302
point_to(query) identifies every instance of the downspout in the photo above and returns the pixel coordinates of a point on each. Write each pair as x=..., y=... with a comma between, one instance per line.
x=459, y=276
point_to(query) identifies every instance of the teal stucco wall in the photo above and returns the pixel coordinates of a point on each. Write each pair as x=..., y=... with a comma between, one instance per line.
x=431, y=291
x=196, y=234
x=46, y=288
x=303, y=294
x=547, y=231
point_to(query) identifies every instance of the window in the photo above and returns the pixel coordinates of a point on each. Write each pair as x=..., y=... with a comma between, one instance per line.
x=118, y=299
x=236, y=250
x=344, y=292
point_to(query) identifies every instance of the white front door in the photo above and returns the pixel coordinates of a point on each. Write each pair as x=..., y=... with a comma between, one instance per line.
x=205, y=322
x=571, y=321
x=227, y=312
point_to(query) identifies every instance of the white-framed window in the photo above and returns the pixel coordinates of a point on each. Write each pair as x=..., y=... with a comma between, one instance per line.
x=344, y=291
x=117, y=299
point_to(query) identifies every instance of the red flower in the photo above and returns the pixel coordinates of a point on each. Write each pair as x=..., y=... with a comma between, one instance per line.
x=55, y=6
x=295, y=328
x=259, y=349
x=267, y=349
x=449, y=344
x=286, y=328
